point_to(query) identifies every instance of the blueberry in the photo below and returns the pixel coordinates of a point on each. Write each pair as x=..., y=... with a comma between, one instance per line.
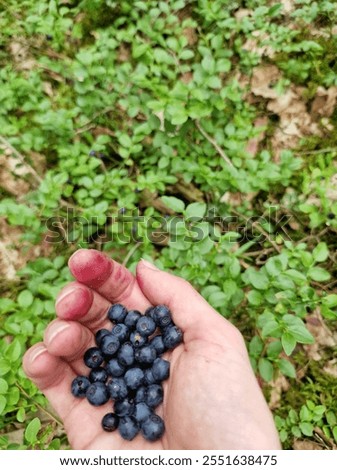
x=114, y=368
x=100, y=335
x=137, y=339
x=98, y=375
x=140, y=395
x=131, y=318
x=126, y=354
x=49, y=37
x=121, y=332
x=158, y=344
x=145, y=326
x=145, y=355
x=109, y=345
x=172, y=337
x=160, y=369
x=97, y=394
x=153, y=428
x=134, y=378
x=93, y=358
x=110, y=422
x=149, y=379
x=79, y=386
x=117, y=313
x=162, y=315
x=124, y=407
x=154, y=395
x=149, y=312
x=92, y=153
x=142, y=412
x=128, y=428
x=118, y=389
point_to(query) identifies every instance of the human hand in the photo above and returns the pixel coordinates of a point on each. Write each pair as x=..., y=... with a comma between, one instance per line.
x=211, y=400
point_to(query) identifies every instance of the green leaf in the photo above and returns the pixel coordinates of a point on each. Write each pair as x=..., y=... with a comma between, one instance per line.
x=4, y=367
x=173, y=203
x=21, y=415
x=13, y=351
x=319, y=274
x=306, y=429
x=334, y=432
x=287, y=368
x=321, y=252
x=266, y=369
x=32, y=430
x=330, y=301
x=25, y=299
x=125, y=140
x=254, y=297
x=288, y=343
x=297, y=329
x=196, y=209
x=3, y=403
x=270, y=328
x=3, y=386
x=331, y=418
x=257, y=278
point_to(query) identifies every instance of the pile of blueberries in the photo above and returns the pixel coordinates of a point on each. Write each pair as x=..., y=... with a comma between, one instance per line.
x=127, y=367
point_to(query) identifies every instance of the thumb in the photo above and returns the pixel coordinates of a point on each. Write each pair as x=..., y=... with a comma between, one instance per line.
x=190, y=311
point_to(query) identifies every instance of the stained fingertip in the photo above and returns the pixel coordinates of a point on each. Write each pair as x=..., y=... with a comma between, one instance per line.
x=91, y=267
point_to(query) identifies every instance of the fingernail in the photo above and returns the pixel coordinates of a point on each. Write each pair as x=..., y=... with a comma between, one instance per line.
x=75, y=303
x=65, y=294
x=37, y=352
x=54, y=330
x=149, y=265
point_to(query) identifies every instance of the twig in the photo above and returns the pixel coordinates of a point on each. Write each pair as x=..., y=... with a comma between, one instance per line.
x=130, y=253
x=54, y=418
x=214, y=143
x=21, y=158
x=259, y=229
x=315, y=152
x=85, y=128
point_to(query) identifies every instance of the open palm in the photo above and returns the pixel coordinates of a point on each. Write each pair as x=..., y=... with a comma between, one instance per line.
x=211, y=400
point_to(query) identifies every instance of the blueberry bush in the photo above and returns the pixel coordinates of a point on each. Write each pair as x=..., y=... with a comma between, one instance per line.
x=199, y=135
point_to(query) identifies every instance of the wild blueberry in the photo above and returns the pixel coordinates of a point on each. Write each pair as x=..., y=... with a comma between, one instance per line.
x=148, y=377
x=97, y=394
x=162, y=315
x=124, y=407
x=154, y=395
x=117, y=313
x=158, y=344
x=137, y=339
x=118, y=389
x=98, y=375
x=140, y=395
x=93, y=358
x=160, y=369
x=114, y=368
x=131, y=318
x=145, y=355
x=79, y=386
x=100, y=335
x=153, y=428
x=128, y=428
x=145, y=326
x=109, y=345
x=110, y=422
x=49, y=37
x=172, y=337
x=149, y=312
x=142, y=412
x=126, y=354
x=92, y=153
x=134, y=378
x=121, y=331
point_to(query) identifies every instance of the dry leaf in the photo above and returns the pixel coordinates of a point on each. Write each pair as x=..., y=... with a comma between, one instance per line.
x=253, y=144
x=324, y=103
x=306, y=445
x=278, y=386
x=324, y=337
